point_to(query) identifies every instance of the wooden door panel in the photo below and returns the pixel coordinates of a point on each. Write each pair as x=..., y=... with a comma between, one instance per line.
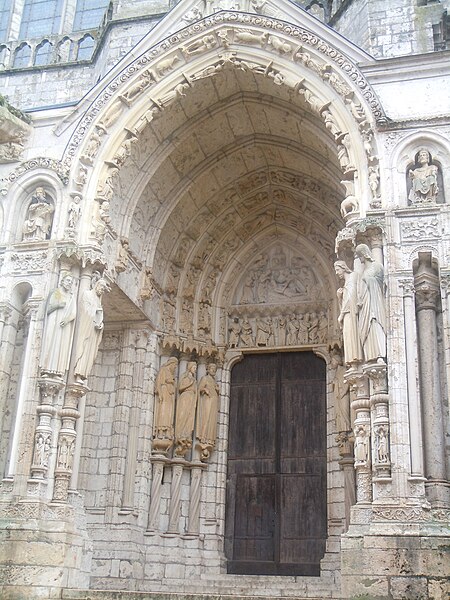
x=276, y=492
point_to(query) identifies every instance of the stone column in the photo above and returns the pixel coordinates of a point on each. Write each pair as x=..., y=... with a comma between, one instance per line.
x=194, y=499
x=360, y=404
x=24, y=386
x=140, y=343
x=66, y=441
x=427, y=295
x=347, y=464
x=175, y=497
x=43, y=437
x=379, y=400
x=415, y=418
x=155, y=497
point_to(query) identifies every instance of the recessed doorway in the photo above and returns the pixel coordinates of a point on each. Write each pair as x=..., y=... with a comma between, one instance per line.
x=276, y=513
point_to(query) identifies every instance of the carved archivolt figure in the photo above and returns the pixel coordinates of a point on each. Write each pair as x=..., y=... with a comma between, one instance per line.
x=348, y=316
x=208, y=407
x=74, y=212
x=371, y=318
x=165, y=406
x=90, y=329
x=186, y=406
x=39, y=217
x=58, y=328
x=424, y=179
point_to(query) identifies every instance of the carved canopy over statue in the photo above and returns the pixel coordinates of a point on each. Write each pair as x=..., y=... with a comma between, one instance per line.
x=424, y=179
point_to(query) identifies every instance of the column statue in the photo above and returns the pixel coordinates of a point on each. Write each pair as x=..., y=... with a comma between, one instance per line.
x=58, y=328
x=371, y=316
x=186, y=406
x=424, y=179
x=208, y=407
x=164, y=407
x=341, y=393
x=348, y=316
x=90, y=329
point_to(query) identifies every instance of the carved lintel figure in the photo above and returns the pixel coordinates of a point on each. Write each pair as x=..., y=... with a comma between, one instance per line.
x=185, y=412
x=208, y=408
x=292, y=331
x=163, y=432
x=361, y=446
x=322, y=330
x=58, y=329
x=235, y=333
x=90, y=328
x=247, y=339
x=39, y=217
x=424, y=179
x=264, y=332
x=371, y=315
x=313, y=328
x=348, y=316
x=281, y=325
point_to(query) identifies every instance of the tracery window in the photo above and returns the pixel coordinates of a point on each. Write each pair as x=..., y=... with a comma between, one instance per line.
x=89, y=14
x=40, y=17
x=5, y=11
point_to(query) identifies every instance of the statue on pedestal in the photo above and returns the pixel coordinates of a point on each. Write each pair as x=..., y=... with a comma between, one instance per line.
x=39, y=217
x=164, y=407
x=90, y=329
x=186, y=407
x=58, y=329
x=424, y=179
x=208, y=407
x=348, y=316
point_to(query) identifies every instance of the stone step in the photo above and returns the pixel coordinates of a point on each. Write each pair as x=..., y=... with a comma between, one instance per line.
x=68, y=594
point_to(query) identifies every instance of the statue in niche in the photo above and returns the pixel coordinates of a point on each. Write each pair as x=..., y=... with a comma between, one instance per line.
x=264, y=332
x=424, y=179
x=361, y=446
x=165, y=407
x=235, y=333
x=247, y=334
x=66, y=451
x=74, y=212
x=340, y=392
x=371, y=315
x=348, y=316
x=42, y=450
x=58, y=329
x=90, y=328
x=208, y=408
x=381, y=444
x=185, y=412
x=39, y=217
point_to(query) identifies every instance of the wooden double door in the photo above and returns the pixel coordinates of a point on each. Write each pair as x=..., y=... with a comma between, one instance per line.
x=276, y=517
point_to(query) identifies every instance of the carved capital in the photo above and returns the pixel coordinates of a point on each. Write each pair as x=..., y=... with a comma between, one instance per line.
x=378, y=376
x=427, y=296
x=407, y=285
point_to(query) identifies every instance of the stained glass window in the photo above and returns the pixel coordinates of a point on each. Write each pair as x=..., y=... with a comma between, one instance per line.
x=40, y=18
x=5, y=11
x=89, y=14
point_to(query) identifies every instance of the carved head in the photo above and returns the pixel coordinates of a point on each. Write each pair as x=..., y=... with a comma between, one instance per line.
x=67, y=281
x=211, y=369
x=423, y=157
x=362, y=251
x=192, y=367
x=101, y=286
x=340, y=267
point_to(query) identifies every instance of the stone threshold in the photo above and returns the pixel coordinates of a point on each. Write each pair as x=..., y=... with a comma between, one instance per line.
x=123, y=595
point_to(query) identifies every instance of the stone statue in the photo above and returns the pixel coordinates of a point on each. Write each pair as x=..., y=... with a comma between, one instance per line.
x=165, y=407
x=340, y=393
x=348, y=316
x=361, y=446
x=58, y=329
x=264, y=332
x=247, y=333
x=74, y=212
x=235, y=333
x=371, y=315
x=186, y=407
x=292, y=331
x=424, y=179
x=90, y=329
x=39, y=217
x=208, y=407
x=381, y=444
